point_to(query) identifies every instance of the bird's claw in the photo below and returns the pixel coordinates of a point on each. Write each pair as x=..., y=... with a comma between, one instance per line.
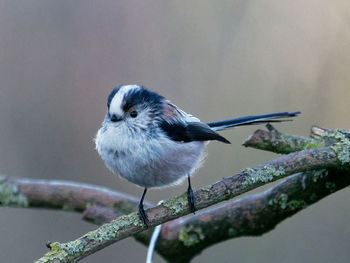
x=143, y=215
x=191, y=199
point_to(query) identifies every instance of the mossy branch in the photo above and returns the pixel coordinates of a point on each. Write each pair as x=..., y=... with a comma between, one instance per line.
x=305, y=160
x=181, y=240
x=275, y=141
x=101, y=204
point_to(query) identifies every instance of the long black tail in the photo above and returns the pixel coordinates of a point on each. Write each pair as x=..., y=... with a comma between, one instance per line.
x=249, y=120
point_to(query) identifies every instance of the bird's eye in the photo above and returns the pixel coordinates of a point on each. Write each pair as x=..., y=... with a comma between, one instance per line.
x=133, y=113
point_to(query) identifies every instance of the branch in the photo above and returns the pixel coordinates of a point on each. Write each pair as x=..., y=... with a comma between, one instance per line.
x=181, y=240
x=249, y=216
x=124, y=226
x=273, y=140
x=66, y=195
x=74, y=196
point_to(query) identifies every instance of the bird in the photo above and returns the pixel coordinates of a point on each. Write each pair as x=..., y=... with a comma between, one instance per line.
x=149, y=141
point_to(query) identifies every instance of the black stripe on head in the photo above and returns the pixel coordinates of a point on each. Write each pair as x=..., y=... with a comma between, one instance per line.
x=142, y=96
x=111, y=95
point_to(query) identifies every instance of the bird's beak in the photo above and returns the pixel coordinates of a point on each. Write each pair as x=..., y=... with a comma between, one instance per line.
x=115, y=118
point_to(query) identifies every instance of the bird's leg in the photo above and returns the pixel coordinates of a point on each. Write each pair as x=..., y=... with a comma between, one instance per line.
x=190, y=196
x=142, y=212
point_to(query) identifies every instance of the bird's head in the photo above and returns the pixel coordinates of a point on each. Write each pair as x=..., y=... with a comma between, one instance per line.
x=133, y=107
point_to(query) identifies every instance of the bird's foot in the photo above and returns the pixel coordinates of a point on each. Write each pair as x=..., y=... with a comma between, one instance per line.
x=143, y=215
x=191, y=199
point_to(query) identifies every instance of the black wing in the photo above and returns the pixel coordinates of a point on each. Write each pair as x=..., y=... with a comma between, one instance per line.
x=190, y=131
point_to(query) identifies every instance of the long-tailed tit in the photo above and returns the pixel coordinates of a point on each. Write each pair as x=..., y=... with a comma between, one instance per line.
x=149, y=141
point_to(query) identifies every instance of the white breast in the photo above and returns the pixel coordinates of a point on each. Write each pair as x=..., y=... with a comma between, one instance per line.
x=148, y=162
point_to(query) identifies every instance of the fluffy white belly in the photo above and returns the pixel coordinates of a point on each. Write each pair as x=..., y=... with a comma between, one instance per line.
x=150, y=162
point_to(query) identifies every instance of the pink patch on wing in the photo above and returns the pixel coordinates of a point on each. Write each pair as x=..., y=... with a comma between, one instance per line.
x=170, y=112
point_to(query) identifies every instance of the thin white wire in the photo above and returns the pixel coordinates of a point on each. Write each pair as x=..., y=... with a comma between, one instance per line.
x=152, y=243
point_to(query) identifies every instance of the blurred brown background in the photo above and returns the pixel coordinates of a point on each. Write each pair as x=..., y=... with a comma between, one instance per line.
x=216, y=59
